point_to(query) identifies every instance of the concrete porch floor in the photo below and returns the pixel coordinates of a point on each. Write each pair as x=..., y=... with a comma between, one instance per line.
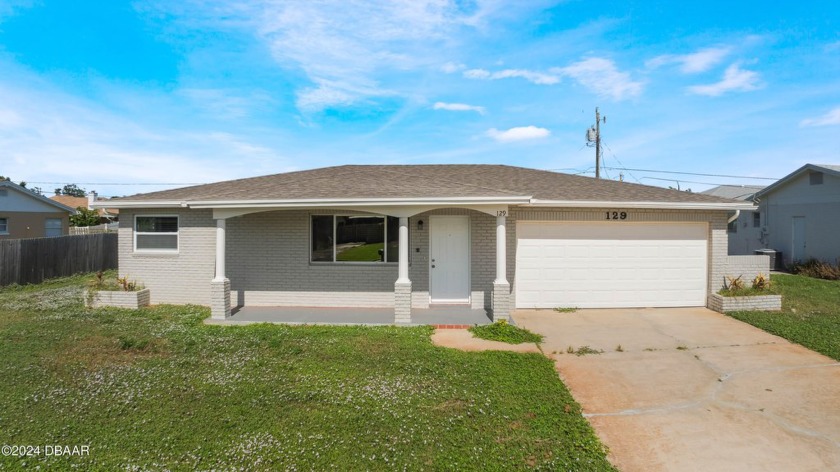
x=439, y=316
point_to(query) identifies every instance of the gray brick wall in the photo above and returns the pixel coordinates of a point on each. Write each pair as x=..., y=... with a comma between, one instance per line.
x=747, y=267
x=173, y=278
x=722, y=304
x=268, y=258
x=268, y=264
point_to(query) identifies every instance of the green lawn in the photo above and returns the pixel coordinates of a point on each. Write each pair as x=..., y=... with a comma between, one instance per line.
x=156, y=389
x=363, y=253
x=810, y=313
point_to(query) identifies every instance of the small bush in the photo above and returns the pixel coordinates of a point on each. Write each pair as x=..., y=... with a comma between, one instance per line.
x=565, y=309
x=506, y=333
x=735, y=287
x=817, y=269
x=760, y=282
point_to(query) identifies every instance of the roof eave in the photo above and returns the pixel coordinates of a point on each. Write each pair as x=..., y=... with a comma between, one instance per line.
x=643, y=205
x=299, y=203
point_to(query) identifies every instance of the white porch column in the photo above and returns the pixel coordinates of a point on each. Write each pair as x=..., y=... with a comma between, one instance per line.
x=501, y=287
x=402, y=287
x=501, y=251
x=220, y=285
x=220, y=250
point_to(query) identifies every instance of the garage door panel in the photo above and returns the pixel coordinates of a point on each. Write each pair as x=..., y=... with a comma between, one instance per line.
x=595, y=265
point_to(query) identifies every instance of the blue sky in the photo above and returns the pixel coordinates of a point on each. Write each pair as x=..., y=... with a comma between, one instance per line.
x=201, y=91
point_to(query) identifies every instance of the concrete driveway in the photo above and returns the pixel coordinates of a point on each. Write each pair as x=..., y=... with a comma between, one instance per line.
x=691, y=389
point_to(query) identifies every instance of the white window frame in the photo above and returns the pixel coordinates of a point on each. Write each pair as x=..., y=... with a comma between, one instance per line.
x=334, y=229
x=5, y=221
x=156, y=251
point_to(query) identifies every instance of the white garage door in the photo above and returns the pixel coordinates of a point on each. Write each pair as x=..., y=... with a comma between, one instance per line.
x=610, y=265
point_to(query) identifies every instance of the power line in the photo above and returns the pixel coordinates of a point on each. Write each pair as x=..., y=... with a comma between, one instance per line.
x=694, y=173
x=682, y=181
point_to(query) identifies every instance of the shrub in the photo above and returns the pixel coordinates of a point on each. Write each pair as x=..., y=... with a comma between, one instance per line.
x=735, y=287
x=817, y=269
x=760, y=282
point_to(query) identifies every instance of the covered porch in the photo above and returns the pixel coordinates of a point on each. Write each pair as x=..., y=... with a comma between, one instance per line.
x=311, y=290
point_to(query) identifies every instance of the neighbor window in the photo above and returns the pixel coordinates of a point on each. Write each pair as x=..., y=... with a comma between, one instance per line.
x=732, y=227
x=52, y=227
x=756, y=219
x=4, y=226
x=354, y=238
x=156, y=233
x=816, y=178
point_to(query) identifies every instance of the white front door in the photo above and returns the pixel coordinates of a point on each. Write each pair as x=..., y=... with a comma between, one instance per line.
x=798, y=250
x=449, y=265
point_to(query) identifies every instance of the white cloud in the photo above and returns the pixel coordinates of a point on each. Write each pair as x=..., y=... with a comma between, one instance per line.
x=521, y=133
x=458, y=107
x=693, y=63
x=602, y=77
x=341, y=46
x=538, y=78
x=52, y=136
x=734, y=79
x=452, y=67
x=830, y=118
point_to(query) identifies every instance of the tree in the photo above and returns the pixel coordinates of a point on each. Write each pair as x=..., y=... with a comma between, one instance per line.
x=71, y=189
x=84, y=217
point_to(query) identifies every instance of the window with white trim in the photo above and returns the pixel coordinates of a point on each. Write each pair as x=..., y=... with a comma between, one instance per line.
x=4, y=226
x=156, y=233
x=354, y=238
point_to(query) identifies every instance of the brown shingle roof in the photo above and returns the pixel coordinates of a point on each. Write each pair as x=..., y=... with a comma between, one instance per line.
x=424, y=181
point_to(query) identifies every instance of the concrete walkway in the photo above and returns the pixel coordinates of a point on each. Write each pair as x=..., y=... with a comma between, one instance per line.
x=692, y=390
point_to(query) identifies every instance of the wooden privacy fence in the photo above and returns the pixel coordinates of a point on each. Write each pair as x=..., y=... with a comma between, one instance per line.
x=31, y=261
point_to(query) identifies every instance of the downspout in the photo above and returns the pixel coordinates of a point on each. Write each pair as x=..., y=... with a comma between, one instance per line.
x=734, y=217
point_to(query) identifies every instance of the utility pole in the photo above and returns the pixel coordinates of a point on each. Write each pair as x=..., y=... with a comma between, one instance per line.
x=593, y=136
x=597, y=144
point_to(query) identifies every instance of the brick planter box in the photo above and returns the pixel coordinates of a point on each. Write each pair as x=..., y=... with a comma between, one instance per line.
x=723, y=304
x=119, y=299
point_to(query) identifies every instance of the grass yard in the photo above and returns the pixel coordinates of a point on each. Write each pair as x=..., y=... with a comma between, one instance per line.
x=155, y=389
x=810, y=313
x=363, y=253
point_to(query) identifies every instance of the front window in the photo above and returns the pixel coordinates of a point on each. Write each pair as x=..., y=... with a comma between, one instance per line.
x=52, y=227
x=732, y=227
x=4, y=226
x=156, y=233
x=756, y=219
x=354, y=238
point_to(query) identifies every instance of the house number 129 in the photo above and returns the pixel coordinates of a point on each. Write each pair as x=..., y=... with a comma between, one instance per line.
x=616, y=215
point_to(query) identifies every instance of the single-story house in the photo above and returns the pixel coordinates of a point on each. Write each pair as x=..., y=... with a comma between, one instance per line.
x=801, y=214
x=413, y=236
x=26, y=214
x=745, y=233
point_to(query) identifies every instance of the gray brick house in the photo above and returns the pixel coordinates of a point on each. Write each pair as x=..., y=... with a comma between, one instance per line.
x=409, y=237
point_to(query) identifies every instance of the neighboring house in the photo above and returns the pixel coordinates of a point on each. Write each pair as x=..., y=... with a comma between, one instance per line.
x=25, y=214
x=801, y=214
x=486, y=236
x=745, y=232
x=106, y=215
